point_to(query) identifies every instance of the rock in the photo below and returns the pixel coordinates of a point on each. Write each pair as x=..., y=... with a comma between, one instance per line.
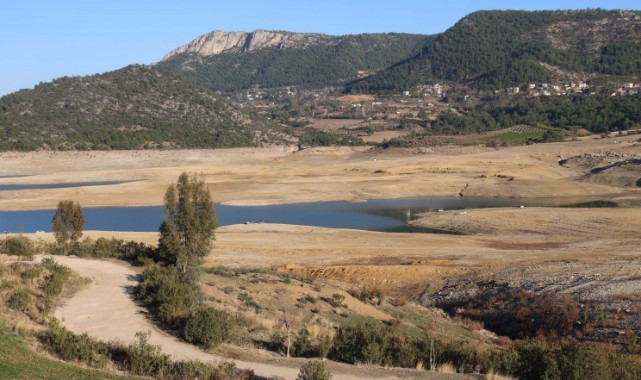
x=218, y=42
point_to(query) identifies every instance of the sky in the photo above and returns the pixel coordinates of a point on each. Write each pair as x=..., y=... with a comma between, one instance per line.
x=45, y=39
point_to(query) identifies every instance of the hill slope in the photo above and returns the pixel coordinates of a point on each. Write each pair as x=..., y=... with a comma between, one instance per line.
x=492, y=49
x=237, y=60
x=131, y=108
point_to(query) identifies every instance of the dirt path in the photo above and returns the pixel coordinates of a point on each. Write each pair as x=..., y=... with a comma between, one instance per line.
x=105, y=311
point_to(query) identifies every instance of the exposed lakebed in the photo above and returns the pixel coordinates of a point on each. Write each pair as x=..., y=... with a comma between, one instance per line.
x=63, y=185
x=390, y=215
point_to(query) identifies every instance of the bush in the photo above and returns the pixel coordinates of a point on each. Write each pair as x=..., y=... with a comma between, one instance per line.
x=31, y=273
x=134, y=252
x=56, y=280
x=314, y=370
x=368, y=294
x=20, y=300
x=361, y=342
x=249, y=301
x=72, y=347
x=336, y=300
x=208, y=327
x=167, y=296
x=303, y=345
x=146, y=359
x=18, y=246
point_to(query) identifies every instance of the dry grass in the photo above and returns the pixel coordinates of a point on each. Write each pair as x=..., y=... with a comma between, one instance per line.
x=497, y=376
x=446, y=368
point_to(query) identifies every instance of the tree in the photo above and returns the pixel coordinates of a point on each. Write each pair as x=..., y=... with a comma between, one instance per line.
x=288, y=318
x=187, y=231
x=68, y=222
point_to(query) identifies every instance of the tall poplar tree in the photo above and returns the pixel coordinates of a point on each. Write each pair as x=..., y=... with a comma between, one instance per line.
x=187, y=231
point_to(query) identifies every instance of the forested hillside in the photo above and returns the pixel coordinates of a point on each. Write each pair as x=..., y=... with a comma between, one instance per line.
x=131, y=108
x=330, y=61
x=494, y=49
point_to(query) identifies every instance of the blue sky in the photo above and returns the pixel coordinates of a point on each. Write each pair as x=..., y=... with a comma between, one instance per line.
x=45, y=39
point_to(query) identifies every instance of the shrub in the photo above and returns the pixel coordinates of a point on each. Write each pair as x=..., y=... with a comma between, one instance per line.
x=18, y=246
x=336, y=300
x=249, y=301
x=303, y=345
x=308, y=299
x=361, y=342
x=20, y=300
x=31, y=273
x=72, y=347
x=103, y=247
x=166, y=295
x=146, y=359
x=208, y=327
x=536, y=361
x=314, y=370
x=398, y=301
x=368, y=294
x=56, y=280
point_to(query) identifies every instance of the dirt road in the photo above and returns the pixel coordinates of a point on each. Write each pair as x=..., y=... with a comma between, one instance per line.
x=105, y=311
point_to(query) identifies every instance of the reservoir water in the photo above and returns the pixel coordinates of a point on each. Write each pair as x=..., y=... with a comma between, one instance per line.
x=389, y=215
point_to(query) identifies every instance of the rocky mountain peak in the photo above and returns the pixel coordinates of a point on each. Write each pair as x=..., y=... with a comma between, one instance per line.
x=218, y=42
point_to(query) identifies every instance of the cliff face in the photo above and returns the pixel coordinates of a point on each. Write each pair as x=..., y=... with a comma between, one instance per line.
x=218, y=42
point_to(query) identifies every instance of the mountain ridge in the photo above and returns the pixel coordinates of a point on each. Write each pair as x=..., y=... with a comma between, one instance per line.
x=218, y=41
x=232, y=61
x=495, y=49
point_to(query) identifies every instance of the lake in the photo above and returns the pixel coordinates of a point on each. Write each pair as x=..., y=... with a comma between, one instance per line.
x=390, y=215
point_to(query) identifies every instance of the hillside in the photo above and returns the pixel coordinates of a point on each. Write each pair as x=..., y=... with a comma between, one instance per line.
x=237, y=60
x=495, y=49
x=137, y=107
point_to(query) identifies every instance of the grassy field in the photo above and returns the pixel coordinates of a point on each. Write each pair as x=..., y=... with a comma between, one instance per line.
x=19, y=362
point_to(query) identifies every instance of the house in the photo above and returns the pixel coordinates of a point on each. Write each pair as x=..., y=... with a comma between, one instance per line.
x=406, y=93
x=513, y=90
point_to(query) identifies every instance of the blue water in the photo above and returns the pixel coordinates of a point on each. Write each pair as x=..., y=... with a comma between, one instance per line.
x=39, y=186
x=373, y=215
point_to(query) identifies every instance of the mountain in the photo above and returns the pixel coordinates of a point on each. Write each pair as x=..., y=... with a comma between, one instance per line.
x=493, y=49
x=234, y=61
x=131, y=108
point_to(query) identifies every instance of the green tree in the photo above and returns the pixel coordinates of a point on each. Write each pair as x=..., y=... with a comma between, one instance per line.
x=187, y=232
x=68, y=222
